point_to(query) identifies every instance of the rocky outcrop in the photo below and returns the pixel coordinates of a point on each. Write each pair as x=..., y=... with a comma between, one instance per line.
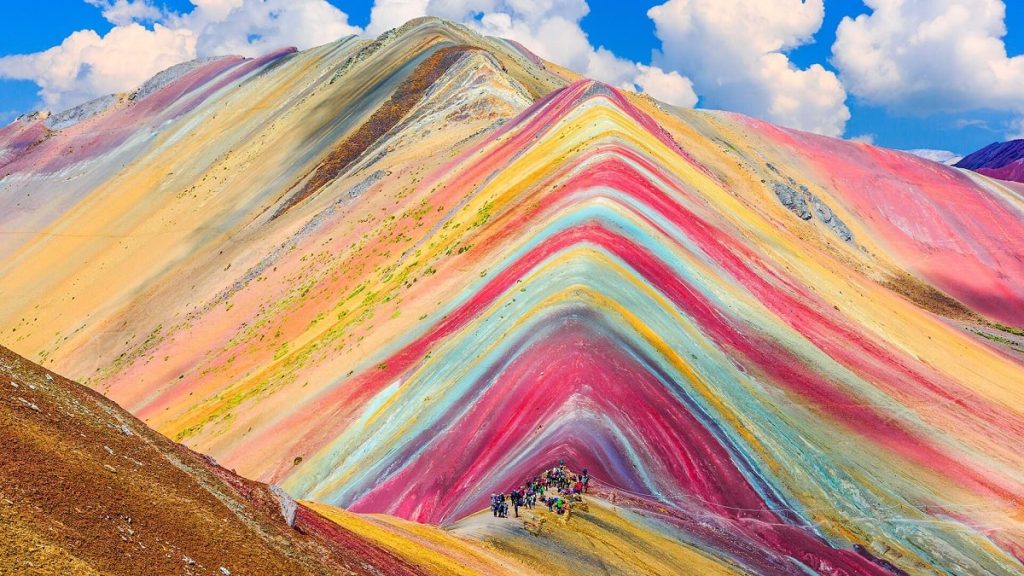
x=80, y=113
x=806, y=205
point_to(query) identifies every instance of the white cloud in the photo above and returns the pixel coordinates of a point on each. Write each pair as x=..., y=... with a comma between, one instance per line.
x=388, y=14
x=86, y=65
x=922, y=56
x=734, y=51
x=255, y=27
x=668, y=87
x=124, y=12
x=700, y=41
x=551, y=29
x=864, y=139
x=972, y=123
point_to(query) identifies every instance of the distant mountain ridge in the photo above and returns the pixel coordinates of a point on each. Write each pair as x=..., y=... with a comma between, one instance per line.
x=1002, y=160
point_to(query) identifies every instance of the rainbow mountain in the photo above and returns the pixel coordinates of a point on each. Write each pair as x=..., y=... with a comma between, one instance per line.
x=395, y=276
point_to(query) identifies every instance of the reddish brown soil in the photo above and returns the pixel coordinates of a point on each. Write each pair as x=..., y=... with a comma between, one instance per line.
x=85, y=488
x=407, y=95
x=928, y=297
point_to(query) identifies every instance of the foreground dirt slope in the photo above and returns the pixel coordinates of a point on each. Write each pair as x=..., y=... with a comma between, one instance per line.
x=86, y=488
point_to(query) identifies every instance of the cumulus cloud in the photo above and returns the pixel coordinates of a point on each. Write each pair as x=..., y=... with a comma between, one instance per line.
x=388, y=14
x=255, y=27
x=86, y=65
x=666, y=86
x=734, y=52
x=550, y=28
x=923, y=56
x=731, y=52
x=124, y=12
x=146, y=39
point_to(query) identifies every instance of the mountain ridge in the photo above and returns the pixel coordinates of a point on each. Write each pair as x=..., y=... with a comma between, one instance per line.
x=1002, y=160
x=756, y=328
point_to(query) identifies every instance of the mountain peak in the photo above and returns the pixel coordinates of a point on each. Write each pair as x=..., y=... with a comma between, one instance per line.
x=1002, y=160
x=401, y=275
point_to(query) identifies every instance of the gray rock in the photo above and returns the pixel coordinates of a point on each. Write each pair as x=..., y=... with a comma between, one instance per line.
x=288, y=505
x=824, y=212
x=82, y=112
x=167, y=76
x=801, y=202
x=829, y=218
x=792, y=199
x=34, y=116
x=357, y=190
x=840, y=228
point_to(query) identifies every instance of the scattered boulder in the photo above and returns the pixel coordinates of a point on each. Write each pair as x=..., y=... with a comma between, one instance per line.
x=830, y=219
x=80, y=113
x=165, y=77
x=793, y=200
x=801, y=201
x=288, y=505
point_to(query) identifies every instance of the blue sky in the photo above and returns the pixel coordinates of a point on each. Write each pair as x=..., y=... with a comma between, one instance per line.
x=936, y=95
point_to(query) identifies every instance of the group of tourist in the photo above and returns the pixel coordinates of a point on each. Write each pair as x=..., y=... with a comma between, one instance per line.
x=566, y=486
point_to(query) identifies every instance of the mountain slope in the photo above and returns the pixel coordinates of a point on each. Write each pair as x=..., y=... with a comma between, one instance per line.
x=1002, y=160
x=88, y=489
x=398, y=276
